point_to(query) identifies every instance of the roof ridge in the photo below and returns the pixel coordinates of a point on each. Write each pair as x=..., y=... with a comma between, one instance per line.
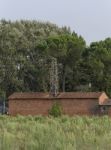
x=46, y=95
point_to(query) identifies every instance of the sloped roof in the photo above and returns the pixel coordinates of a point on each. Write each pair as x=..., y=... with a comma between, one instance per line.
x=62, y=95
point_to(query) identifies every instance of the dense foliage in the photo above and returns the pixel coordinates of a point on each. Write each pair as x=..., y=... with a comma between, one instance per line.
x=56, y=110
x=96, y=65
x=26, y=48
x=25, y=51
x=63, y=133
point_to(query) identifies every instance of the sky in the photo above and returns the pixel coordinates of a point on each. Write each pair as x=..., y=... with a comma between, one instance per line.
x=89, y=18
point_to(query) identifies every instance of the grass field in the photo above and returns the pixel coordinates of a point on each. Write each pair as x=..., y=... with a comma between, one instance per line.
x=64, y=133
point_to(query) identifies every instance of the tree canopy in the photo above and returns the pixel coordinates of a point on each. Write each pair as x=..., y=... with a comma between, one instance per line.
x=25, y=51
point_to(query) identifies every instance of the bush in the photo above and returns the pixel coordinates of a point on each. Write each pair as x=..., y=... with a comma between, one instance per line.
x=56, y=110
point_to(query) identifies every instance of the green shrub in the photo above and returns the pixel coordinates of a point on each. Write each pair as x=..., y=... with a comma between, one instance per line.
x=56, y=110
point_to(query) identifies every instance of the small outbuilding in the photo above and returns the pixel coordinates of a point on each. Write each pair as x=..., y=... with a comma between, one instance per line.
x=72, y=103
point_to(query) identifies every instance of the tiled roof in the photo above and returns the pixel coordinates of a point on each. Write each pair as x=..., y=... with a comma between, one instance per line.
x=62, y=95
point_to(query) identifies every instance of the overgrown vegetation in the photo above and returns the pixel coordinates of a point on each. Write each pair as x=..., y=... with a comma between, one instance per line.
x=56, y=110
x=48, y=133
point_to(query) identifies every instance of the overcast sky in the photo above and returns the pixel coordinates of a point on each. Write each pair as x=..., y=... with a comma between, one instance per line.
x=89, y=18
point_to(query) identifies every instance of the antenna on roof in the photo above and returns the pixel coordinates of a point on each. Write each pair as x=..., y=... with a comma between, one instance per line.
x=54, y=77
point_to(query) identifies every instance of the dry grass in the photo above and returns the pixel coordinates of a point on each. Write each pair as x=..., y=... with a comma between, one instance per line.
x=47, y=133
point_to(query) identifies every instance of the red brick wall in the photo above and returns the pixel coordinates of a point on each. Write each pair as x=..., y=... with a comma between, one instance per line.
x=69, y=106
x=79, y=107
x=29, y=107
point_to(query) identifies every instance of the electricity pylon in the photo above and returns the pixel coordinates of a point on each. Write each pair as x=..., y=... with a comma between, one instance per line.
x=54, y=86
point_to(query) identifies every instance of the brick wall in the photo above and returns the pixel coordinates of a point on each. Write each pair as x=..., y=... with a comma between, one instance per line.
x=80, y=107
x=29, y=107
x=41, y=107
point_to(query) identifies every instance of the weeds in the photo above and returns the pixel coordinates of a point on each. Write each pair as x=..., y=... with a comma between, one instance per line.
x=48, y=133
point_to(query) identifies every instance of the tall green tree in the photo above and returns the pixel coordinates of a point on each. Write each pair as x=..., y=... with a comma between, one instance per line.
x=67, y=48
x=94, y=66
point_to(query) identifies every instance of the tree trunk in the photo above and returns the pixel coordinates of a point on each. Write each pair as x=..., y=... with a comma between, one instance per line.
x=64, y=79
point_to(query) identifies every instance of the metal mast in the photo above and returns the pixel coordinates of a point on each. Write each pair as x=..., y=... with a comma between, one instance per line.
x=54, y=77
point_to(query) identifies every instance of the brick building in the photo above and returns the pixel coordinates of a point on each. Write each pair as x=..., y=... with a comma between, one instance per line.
x=72, y=103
